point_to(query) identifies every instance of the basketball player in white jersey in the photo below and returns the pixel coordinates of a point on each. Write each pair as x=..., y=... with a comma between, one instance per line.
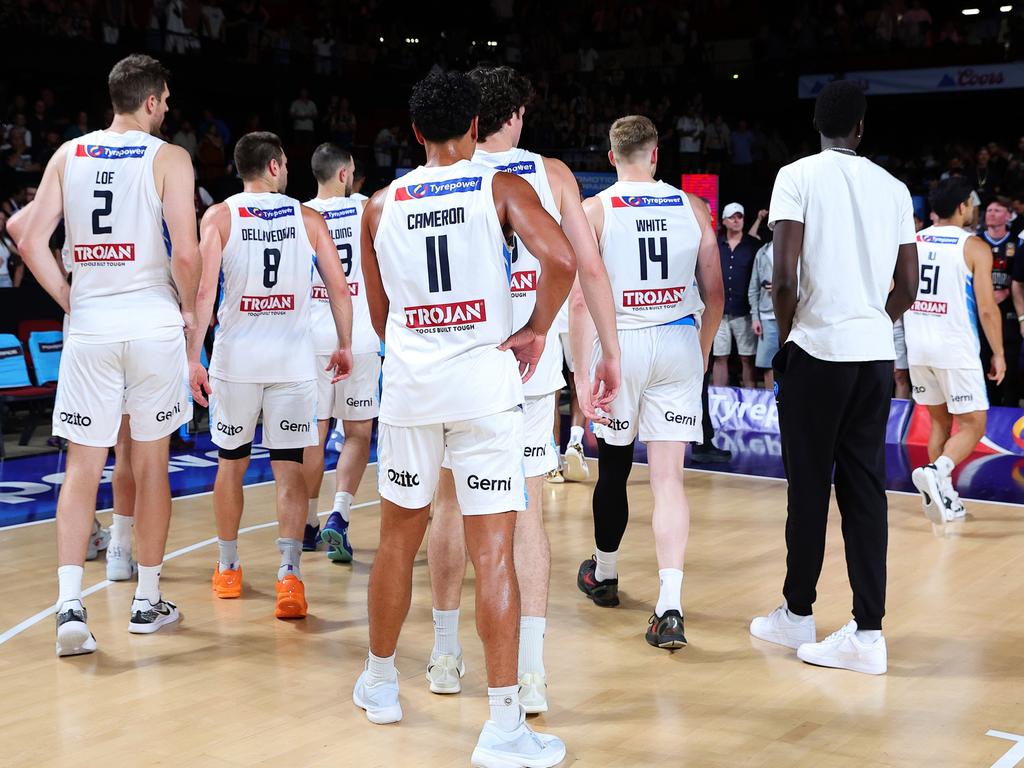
x=262, y=244
x=437, y=279
x=504, y=95
x=116, y=189
x=943, y=344
x=657, y=243
x=353, y=402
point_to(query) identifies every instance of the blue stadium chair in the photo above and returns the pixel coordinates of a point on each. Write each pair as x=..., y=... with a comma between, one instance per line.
x=44, y=347
x=16, y=387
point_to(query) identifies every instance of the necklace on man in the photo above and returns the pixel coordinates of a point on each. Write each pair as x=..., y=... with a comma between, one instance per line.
x=844, y=150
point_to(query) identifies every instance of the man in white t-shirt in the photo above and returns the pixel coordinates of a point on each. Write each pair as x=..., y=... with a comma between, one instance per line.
x=849, y=227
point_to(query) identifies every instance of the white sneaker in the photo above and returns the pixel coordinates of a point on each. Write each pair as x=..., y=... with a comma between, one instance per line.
x=445, y=673
x=120, y=566
x=380, y=701
x=533, y=693
x=928, y=481
x=147, y=617
x=842, y=650
x=955, y=510
x=521, y=748
x=576, y=468
x=73, y=635
x=782, y=628
x=98, y=540
x=554, y=477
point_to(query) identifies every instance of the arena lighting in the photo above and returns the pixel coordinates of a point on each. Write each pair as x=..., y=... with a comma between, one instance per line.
x=735, y=75
x=1005, y=8
x=492, y=43
x=970, y=11
x=381, y=39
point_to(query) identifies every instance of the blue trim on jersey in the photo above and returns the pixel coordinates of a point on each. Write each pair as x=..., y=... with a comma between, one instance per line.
x=508, y=262
x=167, y=237
x=688, y=320
x=998, y=242
x=972, y=304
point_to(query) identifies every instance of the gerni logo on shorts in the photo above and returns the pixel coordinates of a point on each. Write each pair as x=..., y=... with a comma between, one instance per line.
x=291, y=426
x=478, y=483
x=403, y=478
x=168, y=415
x=678, y=418
x=352, y=402
x=534, y=451
x=962, y=398
x=75, y=419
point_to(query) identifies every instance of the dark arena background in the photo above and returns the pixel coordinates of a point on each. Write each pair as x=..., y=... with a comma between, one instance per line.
x=731, y=90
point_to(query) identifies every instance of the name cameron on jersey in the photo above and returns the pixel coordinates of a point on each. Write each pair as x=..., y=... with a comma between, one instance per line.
x=268, y=236
x=442, y=218
x=441, y=318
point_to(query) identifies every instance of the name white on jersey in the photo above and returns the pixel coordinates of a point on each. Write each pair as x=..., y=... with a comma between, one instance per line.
x=941, y=325
x=113, y=219
x=439, y=247
x=264, y=333
x=649, y=244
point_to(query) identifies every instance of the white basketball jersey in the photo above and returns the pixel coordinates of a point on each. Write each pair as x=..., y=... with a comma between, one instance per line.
x=264, y=333
x=440, y=249
x=343, y=216
x=941, y=326
x=525, y=267
x=113, y=220
x=649, y=245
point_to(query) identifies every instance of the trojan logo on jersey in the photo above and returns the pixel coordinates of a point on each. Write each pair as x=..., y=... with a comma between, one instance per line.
x=100, y=152
x=929, y=307
x=645, y=201
x=267, y=214
x=520, y=168
x=445, y=317
x=938, y=239
x=341, y=213
x=353, y=289
x=524, y=281
x=320, y=293
x=438, y=188
x=259, y=305
x=108, y=253
x=652, y=297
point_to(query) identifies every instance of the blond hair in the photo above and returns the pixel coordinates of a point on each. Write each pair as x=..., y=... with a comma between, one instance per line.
x=631, y=135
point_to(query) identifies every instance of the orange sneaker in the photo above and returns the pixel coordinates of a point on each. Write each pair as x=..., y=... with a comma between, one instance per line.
x=291, y=599
x=227, y=584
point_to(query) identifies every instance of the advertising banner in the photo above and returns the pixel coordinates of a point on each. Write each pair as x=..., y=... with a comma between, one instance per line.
x=593, y=182
x=952, y=79
x=704, y=185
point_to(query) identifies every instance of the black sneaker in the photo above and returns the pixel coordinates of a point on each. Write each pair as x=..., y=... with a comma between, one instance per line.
x=604, y=593
x=708, y=454
x=148, y=617
x=667, y=632
x=73, y=635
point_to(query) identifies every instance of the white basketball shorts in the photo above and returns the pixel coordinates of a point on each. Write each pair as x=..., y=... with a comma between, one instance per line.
x=961, y=389
x=289, y=413
x=356, y=398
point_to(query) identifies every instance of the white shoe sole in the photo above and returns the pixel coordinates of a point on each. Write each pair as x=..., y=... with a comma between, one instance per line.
x=782, y=638
x=576, y=469
x=75, y=639
x=148, y=629
x=378, y=715
x=535, y=707
x=854, y=665
x=931, y=496
x=120, y=570
x=445, y=688
x=487, y=758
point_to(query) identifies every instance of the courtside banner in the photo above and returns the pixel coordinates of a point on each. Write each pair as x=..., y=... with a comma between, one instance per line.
x=1003, y=431
x=592, y=182
x=980, y=77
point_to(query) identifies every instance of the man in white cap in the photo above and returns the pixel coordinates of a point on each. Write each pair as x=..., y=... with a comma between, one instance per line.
x=737, y=250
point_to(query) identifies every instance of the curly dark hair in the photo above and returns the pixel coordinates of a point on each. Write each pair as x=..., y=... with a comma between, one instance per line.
x=948, y=194
x=443, y=104
x=840, y=106
x=502, y=92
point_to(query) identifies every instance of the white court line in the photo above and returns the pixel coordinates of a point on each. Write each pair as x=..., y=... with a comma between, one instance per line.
x=1016, y=752
x=48, y=612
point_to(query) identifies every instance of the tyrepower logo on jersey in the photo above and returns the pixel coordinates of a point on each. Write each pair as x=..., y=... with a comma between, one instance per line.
x=75, y=419
x=267, y=305
x=926, y=307
x=267, y=214
x=438, y=188
x=938, y=239
x=100, y=152
x=107, y=253
x=340, y=213
x=523, y=282
x=654, y=297
x=645, y=201
x=403, y=478
x=520, y=168
x=441, y=318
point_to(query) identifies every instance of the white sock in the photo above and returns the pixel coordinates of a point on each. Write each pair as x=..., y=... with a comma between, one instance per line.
x=343, y=504
x=227, y=555
x=121, y=532
x=575, y=435
x=606, y=565
x=69, y=584
x=945, y=465
x=531, y=645
x=868, y=635
x=670, y=598
x=381, y=670
x=291, y=551
x=446, y=633
x=149, y=583
x=312, y=518
x=797, y=618
x=505, y=709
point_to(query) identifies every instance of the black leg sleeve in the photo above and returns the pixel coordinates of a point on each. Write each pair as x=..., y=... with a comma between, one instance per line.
x=611, y=506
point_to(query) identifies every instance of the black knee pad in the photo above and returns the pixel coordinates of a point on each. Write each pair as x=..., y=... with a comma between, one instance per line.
x=286, y=454
x=241, y=452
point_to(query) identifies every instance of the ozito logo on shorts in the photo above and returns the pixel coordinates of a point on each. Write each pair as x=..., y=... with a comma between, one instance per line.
x=645, y=201
x=938, y=239
x=108, y=253
x=459, y=313
x=617, y=425
x=228, y=429
x=267, y=214
x=520, y=168
x=926, y=307
x=524, y=281
x=403, y=478
x=438, y=188
x=654, y=297
x=99, y=152
x=340, y=213
x=75, y=419
x=255, y=305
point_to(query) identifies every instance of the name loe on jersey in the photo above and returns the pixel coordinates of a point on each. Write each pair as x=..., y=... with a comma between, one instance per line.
x=267, y=305
x=438, y=188
x=100, y=152
x=442, y=318
x=110, y=254
x=652, y=297
x=645, y=201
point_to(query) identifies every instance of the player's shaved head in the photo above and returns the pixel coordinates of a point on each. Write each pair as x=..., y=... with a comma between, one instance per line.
x=327, y=160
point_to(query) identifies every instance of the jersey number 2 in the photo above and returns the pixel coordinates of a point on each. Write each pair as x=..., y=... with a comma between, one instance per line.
x=106, y=206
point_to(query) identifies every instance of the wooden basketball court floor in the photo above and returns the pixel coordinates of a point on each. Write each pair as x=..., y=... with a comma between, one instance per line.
x=232, y=686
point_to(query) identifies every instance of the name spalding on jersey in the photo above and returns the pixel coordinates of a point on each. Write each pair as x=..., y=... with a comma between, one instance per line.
x=438, y=188
x=443, y=318
x=100, y=152
x=277, y=304
x=520, y=168
x=267, y=214
x=105, y=253
x=645, y=201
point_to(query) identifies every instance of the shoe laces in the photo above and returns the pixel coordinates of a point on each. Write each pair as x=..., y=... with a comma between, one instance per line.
x=847, y=630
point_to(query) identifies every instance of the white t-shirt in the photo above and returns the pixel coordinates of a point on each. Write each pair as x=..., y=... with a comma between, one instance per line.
x=855, y=217
x=692, y=125
x=303, y=114
x=214, y=16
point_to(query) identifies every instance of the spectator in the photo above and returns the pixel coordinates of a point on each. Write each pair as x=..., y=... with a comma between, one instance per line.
x=211, y=157
x=213, y=26
x=323, y=51
x=12, y=270
x=742, y=145
x=737, y=250
x=342, y=124
x=210, y=119
x=185, y=137
x=78, y=128
x=22, y=196
x=762, y=311
x=17, y=155
x=691, y=131
x=115, y=16
x=384, y=147
x=178, y=37
x=986, y=176
x=716, y=144
x=303, y=113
